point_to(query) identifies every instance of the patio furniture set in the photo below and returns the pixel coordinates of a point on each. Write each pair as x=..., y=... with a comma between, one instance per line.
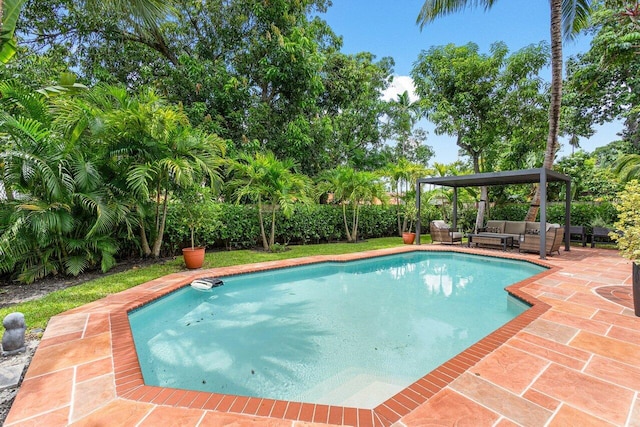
x=524, y=235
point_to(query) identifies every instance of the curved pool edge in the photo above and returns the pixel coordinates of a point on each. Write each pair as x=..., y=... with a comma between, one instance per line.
x=95, y=341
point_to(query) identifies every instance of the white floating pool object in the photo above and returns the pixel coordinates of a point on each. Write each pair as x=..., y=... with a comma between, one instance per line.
x=206, y=283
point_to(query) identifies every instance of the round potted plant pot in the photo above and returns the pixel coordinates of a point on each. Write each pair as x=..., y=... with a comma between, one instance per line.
x=193, y=257
x=408, y=237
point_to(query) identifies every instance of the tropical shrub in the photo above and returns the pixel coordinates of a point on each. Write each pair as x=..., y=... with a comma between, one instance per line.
x=270, y=183
x=352, y=190
x=224, y=225
x=195, y=214
x=628, y=221
x=150, y=151
x=239, y=227
x=58, y=214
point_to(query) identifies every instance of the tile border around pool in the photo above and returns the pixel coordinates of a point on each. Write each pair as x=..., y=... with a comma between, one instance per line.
x=130, y=384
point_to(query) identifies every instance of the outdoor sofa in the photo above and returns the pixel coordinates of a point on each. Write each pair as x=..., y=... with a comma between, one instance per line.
x=526, y=234
x=515, y=229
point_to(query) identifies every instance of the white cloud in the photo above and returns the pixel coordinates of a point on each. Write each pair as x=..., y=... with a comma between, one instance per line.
x=398, y=86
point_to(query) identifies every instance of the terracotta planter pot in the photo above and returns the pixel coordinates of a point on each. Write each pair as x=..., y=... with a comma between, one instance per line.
x=408, y=238
x=193, y=258
x=635, y=284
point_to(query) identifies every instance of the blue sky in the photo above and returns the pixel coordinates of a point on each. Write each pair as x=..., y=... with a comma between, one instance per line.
x=388, y=28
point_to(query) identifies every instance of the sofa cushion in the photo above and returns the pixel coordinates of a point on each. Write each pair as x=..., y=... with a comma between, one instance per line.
x=440, y=224
x=514, y=227
x=534, y=227
x=495, y=226
x=531, y=226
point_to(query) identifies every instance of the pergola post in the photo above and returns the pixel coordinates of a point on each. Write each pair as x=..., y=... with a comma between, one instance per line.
x=455, y=208
x=543, y=213
x=567, y=217
x=418, y=209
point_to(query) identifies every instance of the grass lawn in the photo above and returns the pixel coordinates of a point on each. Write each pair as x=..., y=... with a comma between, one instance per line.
x=38, y=312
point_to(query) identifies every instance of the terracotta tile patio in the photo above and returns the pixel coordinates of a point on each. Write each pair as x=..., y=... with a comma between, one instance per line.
x=572, y=359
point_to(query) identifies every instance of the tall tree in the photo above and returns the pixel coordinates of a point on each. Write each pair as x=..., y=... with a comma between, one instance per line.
x=460, y=93
x=247, y=70
x=351, y=109
x=524, y=109
x=603, y=84
x=141, y=13
x=568, y=16
x=402, y=116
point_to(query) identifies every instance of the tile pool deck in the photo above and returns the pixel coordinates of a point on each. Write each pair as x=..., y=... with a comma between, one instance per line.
x=573, y=359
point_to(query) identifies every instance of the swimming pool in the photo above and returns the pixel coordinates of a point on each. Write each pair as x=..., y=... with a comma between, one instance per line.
x=299, y=334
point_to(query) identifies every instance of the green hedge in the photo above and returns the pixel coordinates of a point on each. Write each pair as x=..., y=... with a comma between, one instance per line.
x=233, y=226
x=310, y=224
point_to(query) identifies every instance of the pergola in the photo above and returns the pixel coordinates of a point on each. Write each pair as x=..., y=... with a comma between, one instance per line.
x=525, y=176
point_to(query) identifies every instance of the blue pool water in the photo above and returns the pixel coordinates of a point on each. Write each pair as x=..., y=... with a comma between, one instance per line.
x=349, y=334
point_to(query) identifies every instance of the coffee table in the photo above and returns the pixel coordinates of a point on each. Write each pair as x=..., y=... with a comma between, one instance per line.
x=490, y=239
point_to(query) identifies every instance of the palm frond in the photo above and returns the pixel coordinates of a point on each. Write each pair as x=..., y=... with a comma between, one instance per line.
x=575, y=17
x=628, y=167
x=147, y=12
x=26, y=127
x=20, y=100
x=138, y=179
x=432, y=9
x=35, y=168
x=76, y=264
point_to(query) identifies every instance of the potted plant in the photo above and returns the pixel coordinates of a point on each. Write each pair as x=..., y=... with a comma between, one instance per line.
x=410, y=215
x=191, y=212
x=628, y=237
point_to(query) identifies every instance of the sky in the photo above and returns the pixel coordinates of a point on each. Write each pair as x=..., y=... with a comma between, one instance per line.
x=388, y=28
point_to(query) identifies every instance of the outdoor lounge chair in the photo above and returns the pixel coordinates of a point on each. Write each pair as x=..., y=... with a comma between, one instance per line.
x=441, y=232
x=554, y=237
x=600, y=235
x=577, y=233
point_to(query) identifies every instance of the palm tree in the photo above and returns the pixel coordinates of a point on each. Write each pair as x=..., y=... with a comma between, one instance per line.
x=574, y=142
x=271, y=183
x=150, y=150
x=352, y=188
x=154, y=151
x=627, y=167
x=404, y=114
x=568, y=17
x=402, y=175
